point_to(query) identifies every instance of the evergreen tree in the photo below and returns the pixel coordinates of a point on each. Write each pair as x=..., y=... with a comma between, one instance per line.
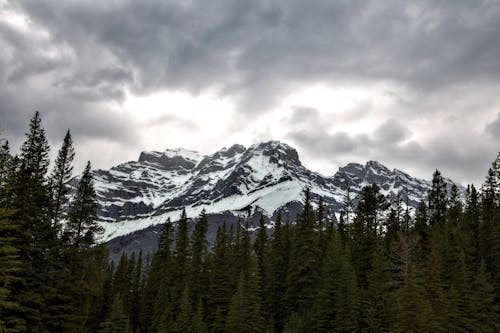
x=220, y=283
x=199, y=324
x=303, y=273
x=117, y=320
x=336, y=306
x=199, y=268
x=489, y=228
x=437, y=199
x=36, y=238
x=181, y=262
x=157, y=290
x=472, y=221
x=278, y=267
x=10, y=267
x=245, y=311
x=365, y=230
x=260, y=250
x=483, y=311
x=82, y=226
x=182, y=323
x=61, y=177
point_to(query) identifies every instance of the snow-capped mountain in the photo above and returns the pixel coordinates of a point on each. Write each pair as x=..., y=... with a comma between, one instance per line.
x=235, y=182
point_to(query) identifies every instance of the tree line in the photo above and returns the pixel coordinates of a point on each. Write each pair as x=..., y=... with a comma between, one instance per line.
x=379, y=268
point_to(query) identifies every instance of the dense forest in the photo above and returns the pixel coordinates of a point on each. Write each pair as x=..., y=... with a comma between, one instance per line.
x=380, y=268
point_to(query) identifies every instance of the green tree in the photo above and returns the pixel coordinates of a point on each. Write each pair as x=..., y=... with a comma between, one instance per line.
x=304, y=266
x=245, y=311
x=438, y=199
x=10, y=267
x=220, y=282
x=82, y=225
x=199, y=262
x=261, y=253
x=278, y=266
x=61, y=177
x=117, y=320
x=337, y=302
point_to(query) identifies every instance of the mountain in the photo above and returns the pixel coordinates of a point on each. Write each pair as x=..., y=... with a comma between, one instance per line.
x=233, y=183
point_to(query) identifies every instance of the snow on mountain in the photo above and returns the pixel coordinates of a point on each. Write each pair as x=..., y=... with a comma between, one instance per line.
x=236, y=182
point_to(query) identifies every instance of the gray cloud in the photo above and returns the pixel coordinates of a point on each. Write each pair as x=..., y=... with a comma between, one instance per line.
x=494, y=127
x=463, y=158
x=76, y=58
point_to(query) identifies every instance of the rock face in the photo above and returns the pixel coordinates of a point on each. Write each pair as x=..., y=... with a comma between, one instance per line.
x=232, y=184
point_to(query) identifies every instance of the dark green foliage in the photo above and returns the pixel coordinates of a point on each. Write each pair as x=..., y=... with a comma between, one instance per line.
x=304, y=267
x=199, y=265
x=437, y=199
x=380, y=269
x=220, y=282
x=337, y=302
x=61, y=177
x=245, y=311
x=117, y=320
x=82, y=226
x=278, y=267
x=10, y=267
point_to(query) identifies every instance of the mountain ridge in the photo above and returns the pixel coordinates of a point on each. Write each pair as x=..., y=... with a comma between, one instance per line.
x=238, y=181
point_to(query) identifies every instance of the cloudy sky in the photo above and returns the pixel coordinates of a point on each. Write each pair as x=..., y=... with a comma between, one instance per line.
x=412, y=84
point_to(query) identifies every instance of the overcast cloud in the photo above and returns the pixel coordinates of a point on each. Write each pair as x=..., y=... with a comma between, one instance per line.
x=414, y=85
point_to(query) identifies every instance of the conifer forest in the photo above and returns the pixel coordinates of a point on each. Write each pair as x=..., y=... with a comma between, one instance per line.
x=380, y=268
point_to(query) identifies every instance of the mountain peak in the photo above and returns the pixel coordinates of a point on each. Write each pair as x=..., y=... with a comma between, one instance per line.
x=171, y=159
x=277, y=151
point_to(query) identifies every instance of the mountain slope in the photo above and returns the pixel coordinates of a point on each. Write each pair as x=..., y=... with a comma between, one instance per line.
x=235, y=182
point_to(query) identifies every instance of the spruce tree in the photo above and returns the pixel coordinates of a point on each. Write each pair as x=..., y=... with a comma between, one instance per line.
x=489, y=228
x=278, y=266
x=82, y=225
x=437, y=199
x=61, y=177
x=181, y=261
x=261, y=254
x=183, y=320
x=304, y=267
x=10, y=268
x=337, y=301
x=36, y=238
x=220, y=283
x=199, y=264
x=365, y=230
x=245, y=311
x=117, y=320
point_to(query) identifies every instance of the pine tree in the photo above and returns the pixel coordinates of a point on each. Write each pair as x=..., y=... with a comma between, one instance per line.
x=278, y=266
x=220, y=283
x=157, y=291
x=261, y=254
x=482, y=310
x=36, y=238
x=117, y=320
x=437, y=199
x=5, y=172
x=61, y=177
x=199, y=324
x=199, y=265
x=181, y=261
x=82, y=226
x=365, y=230
x=303, y=273
x=489, y=228
x=336, y=305
x=10, y=267
x=182, y=323
x=472, y=221
x=245, y=311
